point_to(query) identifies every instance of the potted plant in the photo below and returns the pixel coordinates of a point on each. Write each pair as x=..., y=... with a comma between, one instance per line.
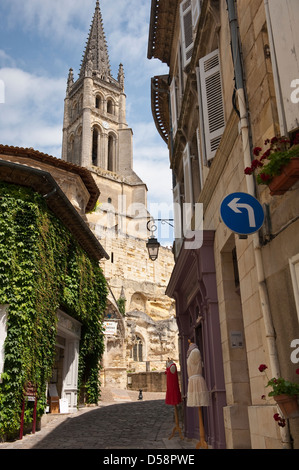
x=286, y=395
x=278, y=165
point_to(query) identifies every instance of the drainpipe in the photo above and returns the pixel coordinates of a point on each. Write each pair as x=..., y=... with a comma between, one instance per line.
x=244, y=129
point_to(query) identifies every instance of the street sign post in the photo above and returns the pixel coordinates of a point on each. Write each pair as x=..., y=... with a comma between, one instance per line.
x=242, y=213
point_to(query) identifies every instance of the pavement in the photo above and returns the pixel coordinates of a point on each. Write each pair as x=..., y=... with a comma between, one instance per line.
x=119, y=421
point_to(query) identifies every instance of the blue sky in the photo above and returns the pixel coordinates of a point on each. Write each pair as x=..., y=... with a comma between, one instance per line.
x=40, y=40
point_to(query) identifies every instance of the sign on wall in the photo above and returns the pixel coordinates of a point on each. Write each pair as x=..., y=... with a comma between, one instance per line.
x=242, y=213
x=110, y=327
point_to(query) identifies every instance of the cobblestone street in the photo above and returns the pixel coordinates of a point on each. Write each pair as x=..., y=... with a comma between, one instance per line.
x=121, y=421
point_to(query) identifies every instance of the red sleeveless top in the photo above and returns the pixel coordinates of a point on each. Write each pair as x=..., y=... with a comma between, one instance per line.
x=173, y=394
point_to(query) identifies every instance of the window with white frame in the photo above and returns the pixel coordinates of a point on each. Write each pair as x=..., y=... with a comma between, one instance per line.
x=211, y=108
x=294, y=268
x=173, y=105
x=282, y=22
x=186, y=30
x=196, y=8
x=189, y=14
x=188, y=188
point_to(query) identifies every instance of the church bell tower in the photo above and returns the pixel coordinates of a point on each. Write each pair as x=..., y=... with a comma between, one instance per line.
x=95, y=131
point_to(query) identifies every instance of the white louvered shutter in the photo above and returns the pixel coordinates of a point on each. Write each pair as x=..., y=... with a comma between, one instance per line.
x=186, y=30
x=188, y=190
x=173, y=102
x=196, y=7
x=212, y=102
x=200, y=131
x=284, y=16
x=177, y=211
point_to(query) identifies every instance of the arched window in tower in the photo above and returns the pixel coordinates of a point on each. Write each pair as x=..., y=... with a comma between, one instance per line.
x=71, y=148
x=111, y=153
x=74, y=110
x=80, y=103
x=110, y=107
x=137, y=349
x=77, y=146
x=98, y=102
x=95, y=143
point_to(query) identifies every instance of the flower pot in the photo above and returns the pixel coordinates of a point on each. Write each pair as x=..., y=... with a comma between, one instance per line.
x=289, y=175
x=288, y=405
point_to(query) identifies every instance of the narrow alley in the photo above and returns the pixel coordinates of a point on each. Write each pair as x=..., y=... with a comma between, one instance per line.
x=121, y=421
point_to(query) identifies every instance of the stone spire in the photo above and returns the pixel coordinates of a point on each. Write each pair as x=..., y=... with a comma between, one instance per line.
x=96, y=56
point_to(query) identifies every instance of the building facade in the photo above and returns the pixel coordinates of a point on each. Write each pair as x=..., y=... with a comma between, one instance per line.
x=232, y=87
x=50, y=332
x=96, y=136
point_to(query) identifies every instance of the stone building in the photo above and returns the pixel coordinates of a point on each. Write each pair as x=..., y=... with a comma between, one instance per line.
x=45, y=317
x=96, y=136
x=232, y=84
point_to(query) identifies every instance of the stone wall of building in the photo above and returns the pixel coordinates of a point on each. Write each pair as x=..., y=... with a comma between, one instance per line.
x=149, y=318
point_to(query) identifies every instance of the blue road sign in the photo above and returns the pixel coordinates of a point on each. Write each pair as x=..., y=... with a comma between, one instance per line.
x=242, y=213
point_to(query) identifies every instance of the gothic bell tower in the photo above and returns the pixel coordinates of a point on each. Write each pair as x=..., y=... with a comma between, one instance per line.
x=95, y=131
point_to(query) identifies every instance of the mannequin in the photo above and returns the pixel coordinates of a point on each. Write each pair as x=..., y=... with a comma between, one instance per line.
x=173, y=394
x=198, y=394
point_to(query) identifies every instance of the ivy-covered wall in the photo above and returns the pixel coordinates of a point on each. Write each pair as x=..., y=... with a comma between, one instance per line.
x=42, y=267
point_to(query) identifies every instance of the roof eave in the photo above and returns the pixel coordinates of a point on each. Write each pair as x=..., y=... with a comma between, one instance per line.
x=43, y=182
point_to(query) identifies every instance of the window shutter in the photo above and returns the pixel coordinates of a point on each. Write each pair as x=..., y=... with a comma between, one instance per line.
x=284, y=16
x=188, y=190
x=178, y=219
x=177, y=211
x=212, y=102
x=196, y=7
x=173, y=101
x=186, y=31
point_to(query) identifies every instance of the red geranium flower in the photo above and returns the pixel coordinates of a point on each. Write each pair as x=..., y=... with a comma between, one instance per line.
x=262, y=367
x=282, y=422
x=256, y=151
x=265, y=177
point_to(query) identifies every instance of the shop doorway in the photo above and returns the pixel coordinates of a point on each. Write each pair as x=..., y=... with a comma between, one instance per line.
x=63, y=386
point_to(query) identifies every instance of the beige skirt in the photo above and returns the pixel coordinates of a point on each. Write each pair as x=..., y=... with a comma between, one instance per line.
x=198, y=394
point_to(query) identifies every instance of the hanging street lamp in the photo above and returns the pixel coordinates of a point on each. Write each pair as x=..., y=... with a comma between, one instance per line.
x=152, y=244
x=153, y=248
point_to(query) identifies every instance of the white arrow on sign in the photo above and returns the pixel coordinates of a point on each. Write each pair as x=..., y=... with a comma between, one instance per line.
x=235, y=206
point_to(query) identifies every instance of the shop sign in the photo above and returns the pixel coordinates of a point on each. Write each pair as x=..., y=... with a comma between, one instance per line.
x=110, y=327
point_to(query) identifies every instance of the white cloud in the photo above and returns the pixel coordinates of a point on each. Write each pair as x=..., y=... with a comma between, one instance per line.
x=32, y=113
x=151, y=162
x=6, y=60
x=55, y=19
